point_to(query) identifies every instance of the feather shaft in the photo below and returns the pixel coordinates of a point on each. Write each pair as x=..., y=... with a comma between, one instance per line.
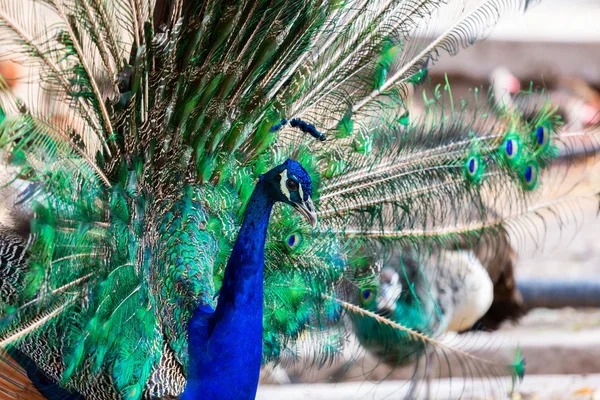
x=94, y=86
x=105, y=53
x=411, y=332
x=37, y=324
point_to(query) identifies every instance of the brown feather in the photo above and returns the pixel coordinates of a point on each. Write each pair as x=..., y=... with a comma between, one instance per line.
x=14, y=382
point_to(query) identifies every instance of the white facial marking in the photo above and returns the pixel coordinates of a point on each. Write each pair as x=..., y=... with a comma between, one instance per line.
x=283, y=186
x=300, y=191
x=395, y=279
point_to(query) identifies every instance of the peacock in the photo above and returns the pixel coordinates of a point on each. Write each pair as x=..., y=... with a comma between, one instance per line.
x=153, y=140
x=468, y=284
x=433, y=294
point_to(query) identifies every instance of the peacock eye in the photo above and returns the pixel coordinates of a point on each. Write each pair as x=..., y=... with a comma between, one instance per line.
x=474, y=168
x=511, y=148
x=294, y=240
x=542, y=138
x=366, y=296
x=292, y=185
x=530, y=176
x=528, y=173
x=472, y=165
x=540, y=135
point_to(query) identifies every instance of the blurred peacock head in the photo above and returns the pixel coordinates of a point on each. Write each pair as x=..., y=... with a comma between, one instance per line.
x=291, y=184
x=381, y=297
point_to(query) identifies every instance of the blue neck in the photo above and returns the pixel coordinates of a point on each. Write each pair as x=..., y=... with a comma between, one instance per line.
x=225, y=347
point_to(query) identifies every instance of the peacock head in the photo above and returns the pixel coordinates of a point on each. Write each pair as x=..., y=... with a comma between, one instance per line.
x=381, y=297
x=291, y=184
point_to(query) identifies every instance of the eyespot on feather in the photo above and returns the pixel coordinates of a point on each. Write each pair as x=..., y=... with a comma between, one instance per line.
x=474, y=168
x=511, y=149
x=529, y=175
x=541, y=136
x=367, y=295
x=293, y=240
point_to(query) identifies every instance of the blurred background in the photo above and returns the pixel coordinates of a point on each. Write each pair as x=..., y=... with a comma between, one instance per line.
x=554, y=46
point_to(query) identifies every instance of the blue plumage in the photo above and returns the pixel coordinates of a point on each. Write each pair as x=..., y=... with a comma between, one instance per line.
x=225, y=344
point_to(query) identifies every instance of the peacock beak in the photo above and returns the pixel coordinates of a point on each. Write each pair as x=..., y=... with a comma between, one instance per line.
x=307, y=209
